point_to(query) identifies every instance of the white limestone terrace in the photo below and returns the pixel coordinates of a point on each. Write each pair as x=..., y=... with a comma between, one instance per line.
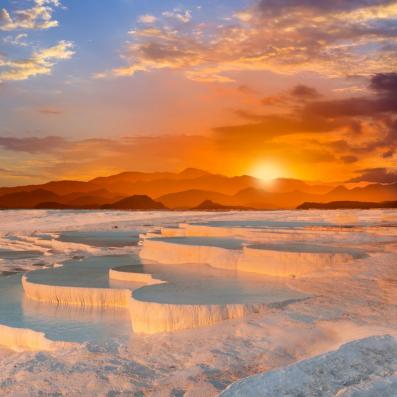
x=58, y=322
x=16, y=260
x=349, y=302
x=30, y=251
x=277, y=231
x=217, y=252
x=175, y=298
x=287, y=259
x=83, y=283
x=199, y=295
x=294, y=259
x=56, y=236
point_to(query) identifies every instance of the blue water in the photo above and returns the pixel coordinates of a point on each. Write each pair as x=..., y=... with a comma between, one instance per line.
x=91, y=272
x=10, y=254
x=61, y=322
x=202, y=284
x=113, y=238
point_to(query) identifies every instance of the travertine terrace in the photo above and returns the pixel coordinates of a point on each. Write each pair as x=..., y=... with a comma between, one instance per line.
x=239, y=248
x=229, y=279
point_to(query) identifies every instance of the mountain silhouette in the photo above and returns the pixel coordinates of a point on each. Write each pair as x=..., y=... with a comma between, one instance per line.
x=210, y=205
x=186, y=190
x=137, y=202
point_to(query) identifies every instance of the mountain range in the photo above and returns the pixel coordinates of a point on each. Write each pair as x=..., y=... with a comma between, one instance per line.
x=189, y=189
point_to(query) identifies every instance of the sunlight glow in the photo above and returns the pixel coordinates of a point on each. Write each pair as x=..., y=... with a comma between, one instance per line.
x=267, y=171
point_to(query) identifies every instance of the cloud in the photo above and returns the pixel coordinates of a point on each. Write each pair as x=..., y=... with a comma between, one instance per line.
x=355, y=106
x=353, y=129
x=18, y=40
x=38, y=17
x=349, y=159
x=334, y=38
x=297, y=95
x=243, y=16
x=264, y=128
x=5, y=172
x=183, y=16
x=304, y=92
x=379, y=106
x=377, y=175
x=160, y=49
x=55, y=157
x=385, y=83
x=147, y=18
x=33, y=144
x=41, y=62
x=279, y=6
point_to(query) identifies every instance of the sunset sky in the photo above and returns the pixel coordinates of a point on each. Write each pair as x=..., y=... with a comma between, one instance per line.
x=275, y=88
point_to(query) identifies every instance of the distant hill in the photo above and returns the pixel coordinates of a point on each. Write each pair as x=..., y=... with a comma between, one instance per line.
x=137, y=202
x=39, y=197
x=210, y=205
x=28, y=199
x=375, y=192
x=348, y=205
x=192, y=198
x=185, y=190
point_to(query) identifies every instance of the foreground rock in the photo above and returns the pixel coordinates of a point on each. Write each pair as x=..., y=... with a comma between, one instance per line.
x=366, y=367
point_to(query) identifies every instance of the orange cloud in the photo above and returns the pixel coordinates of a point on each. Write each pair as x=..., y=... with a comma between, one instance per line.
x=38, y=17
x=325, y=37
x=40, y=62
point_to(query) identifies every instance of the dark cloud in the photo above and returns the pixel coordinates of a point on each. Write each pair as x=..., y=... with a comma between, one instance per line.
x=302, y=91
x=378, y=175
x=349, y=159
x=384, y=82
x=382, y=100
x=266, y=127
x=33, y=144
x=349, y=107
x=388, y=153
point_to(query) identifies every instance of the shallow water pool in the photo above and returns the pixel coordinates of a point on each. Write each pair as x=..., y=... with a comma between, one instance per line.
x=113, y=238
x=61, y=322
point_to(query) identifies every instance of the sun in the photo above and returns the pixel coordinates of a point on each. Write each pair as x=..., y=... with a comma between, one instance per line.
x=267, y=171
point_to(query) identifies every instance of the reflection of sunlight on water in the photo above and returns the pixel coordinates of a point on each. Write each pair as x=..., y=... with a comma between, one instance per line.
x=67, y=323
x=77, y=324
x=203, y=284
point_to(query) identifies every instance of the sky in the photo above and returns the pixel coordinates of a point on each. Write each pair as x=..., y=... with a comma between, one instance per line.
x=301, y=89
